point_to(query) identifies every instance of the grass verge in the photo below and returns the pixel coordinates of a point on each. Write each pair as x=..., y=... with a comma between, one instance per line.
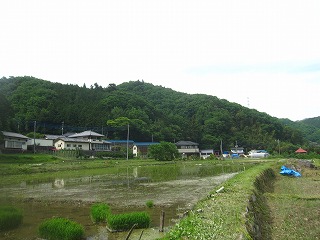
x=226, y=215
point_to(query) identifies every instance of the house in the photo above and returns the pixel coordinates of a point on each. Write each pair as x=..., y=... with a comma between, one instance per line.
x=237, y=152
x=204, y=154
x=188, y=148
x=258, y=154
x=71, y=144
x=14, y=141
x=87, y=140
x=141, y=148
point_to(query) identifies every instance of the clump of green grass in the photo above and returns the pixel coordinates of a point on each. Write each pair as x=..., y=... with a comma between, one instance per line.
x=99, y=212
x=125, y=221
x=10, y=217
x=149, y=203
x=61, y=229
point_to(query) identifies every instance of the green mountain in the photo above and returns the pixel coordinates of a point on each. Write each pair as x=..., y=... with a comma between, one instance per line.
x=156, y=113
x=310, y=128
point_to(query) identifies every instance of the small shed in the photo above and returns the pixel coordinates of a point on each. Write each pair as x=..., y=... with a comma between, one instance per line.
x=300, y=150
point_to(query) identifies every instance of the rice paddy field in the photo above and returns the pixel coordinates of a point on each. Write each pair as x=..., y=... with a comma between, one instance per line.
x=45, y=186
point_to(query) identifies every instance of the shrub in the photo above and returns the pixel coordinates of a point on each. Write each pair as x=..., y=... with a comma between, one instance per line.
x=99, y=212
x=61, y=229
x=10, y=217
x=149, y=203
x=126, y=220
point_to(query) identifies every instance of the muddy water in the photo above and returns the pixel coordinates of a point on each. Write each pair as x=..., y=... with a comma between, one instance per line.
x=173, y=189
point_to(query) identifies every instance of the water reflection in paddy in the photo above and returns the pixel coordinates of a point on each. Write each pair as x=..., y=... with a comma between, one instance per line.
x=173, y=188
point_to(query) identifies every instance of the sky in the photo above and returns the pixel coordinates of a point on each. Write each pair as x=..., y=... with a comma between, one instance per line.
x=263, y=54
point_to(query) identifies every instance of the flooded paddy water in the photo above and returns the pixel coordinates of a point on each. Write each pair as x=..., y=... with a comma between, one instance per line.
x=173, y=188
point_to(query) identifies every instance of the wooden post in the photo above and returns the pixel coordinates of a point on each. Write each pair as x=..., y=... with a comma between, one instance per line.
x=161, y=221
x=129, y=233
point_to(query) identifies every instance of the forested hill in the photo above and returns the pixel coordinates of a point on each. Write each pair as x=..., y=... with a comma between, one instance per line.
x=156, y=113
x=309, y=127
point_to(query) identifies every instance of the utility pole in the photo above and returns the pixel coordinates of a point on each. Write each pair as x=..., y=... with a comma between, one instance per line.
x=34, y=136
x=128, y=143
x=62, y=128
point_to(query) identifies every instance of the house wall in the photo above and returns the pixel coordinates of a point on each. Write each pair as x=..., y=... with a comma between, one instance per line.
x=206, y=153
x=14, y=143
x=41, y=142
x=60, y=144
x=188, y=150
x=100, y=146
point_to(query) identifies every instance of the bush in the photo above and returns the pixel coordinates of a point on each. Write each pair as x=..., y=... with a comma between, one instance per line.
x=125, y=221
x=149, y=203
x=61, y=229
x=10, y=217
x=99, y=212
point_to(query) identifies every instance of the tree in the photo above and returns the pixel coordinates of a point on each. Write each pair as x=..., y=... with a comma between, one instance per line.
x=164, y=151
x=1, y=139
x=5, y=113
x=120, y=122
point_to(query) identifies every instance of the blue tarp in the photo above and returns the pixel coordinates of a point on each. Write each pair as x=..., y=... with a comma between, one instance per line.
x=289, y=172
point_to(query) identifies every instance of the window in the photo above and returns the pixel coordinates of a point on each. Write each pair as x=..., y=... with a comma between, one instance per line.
x=100, y=147
x=68, y=145
x=14, y=144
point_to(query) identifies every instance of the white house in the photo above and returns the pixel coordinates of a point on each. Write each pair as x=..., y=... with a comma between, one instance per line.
x=14, y=140
x=87, y=140
x=205, y=153
x=71, y=144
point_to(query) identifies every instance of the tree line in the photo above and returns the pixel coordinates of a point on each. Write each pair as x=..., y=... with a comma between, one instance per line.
x=155, y=113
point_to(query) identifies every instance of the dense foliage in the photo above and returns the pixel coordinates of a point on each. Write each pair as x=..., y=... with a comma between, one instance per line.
x=155, y=113
x=164, y=151
x=310, y=128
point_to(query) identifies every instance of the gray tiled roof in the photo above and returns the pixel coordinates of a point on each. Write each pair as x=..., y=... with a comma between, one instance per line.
x=86, y=134
x=186, y=143
x=14, y=135
x=66, y=139
x=52, y=137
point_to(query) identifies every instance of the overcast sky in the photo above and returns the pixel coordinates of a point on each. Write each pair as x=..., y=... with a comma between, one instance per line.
x=261, y=54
